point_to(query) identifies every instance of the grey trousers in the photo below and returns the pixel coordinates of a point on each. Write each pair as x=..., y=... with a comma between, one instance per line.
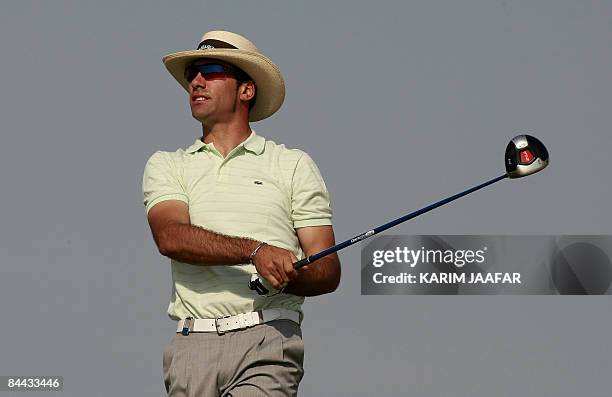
x=265, y=360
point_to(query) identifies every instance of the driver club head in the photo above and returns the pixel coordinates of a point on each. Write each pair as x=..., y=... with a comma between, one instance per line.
x=525, y=155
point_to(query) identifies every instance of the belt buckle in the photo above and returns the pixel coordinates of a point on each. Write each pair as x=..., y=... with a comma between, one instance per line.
x=219, y=330
x=186, y=325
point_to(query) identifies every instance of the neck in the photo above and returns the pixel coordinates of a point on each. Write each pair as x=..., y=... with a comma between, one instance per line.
x=226, y=136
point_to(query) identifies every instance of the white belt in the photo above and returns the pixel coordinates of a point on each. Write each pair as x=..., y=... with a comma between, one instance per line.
x=222, y=325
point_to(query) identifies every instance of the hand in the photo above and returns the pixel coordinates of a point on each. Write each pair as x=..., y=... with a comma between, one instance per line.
x=275, y=264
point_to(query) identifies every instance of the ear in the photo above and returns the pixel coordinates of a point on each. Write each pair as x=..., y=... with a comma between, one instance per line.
x=246, y=91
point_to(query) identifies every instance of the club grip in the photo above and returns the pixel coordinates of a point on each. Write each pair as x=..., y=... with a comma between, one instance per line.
x=301, y=263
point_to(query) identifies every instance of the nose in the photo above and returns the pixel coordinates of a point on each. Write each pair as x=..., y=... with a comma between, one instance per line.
x=198, y=81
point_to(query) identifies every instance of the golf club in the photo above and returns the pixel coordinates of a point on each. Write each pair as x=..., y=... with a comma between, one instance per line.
x=525, y=155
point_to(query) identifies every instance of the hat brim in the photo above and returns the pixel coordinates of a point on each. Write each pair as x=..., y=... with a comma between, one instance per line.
x=269, y=82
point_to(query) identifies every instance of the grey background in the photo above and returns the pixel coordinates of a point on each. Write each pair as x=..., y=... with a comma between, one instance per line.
x=400, y=104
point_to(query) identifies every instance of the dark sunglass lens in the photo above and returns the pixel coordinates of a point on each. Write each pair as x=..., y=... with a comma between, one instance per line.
x=208, y=69
x=190, y=73
x=211, y=68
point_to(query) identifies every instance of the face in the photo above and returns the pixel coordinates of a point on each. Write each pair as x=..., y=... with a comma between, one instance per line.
x=214, y=98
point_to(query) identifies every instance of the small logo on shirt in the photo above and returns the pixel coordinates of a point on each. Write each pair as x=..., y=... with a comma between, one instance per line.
x=258, y=182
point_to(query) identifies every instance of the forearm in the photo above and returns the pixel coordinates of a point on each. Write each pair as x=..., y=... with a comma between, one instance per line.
x=197, y=246
x=320, y=277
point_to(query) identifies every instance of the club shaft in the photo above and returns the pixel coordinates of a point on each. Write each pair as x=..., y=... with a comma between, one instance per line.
x=395, y=222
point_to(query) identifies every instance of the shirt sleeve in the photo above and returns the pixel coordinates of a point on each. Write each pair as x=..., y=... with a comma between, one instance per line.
x=310, y=203
x=161, y=181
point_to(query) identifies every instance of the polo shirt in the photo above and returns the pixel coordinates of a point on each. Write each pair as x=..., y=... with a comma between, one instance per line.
x=261, y=190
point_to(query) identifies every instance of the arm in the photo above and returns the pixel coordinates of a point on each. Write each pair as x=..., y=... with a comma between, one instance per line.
x=178, y=239
x=323, y=275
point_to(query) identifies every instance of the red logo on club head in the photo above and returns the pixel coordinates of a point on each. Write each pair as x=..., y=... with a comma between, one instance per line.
x=526, y=157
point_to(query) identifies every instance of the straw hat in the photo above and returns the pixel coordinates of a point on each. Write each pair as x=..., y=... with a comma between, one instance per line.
x=241, y=52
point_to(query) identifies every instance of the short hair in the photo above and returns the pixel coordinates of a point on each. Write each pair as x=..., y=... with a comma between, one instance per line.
x=242, y=77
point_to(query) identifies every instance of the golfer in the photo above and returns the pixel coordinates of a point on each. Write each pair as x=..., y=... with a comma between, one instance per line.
x=230, y=205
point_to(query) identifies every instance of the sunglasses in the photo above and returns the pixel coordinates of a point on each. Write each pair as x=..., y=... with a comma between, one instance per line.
x=209, y=71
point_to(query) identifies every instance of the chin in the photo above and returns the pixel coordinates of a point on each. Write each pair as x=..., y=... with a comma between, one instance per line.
x=199, y=117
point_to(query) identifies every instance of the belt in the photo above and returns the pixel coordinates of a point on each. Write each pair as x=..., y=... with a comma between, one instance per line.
x=225, y=324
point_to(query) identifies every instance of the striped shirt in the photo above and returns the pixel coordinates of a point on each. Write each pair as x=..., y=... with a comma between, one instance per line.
x=261, y=190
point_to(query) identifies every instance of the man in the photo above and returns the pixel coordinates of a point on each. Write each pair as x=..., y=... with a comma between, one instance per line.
x=231, y=205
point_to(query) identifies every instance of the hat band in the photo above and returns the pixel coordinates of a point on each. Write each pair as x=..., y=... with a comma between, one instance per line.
x=209, y=44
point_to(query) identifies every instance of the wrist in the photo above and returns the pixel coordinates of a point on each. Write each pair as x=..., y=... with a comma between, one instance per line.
x=254, y=252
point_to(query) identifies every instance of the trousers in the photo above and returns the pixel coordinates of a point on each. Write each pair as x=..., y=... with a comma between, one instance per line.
x=265, y=360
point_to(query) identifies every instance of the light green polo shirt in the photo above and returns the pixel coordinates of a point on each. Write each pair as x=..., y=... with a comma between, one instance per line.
x=261, y=190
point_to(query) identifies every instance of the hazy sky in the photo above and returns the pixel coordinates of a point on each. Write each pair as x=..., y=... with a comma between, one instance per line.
x=399, y=103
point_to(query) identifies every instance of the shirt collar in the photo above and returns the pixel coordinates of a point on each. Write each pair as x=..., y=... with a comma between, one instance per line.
x=254, y=143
